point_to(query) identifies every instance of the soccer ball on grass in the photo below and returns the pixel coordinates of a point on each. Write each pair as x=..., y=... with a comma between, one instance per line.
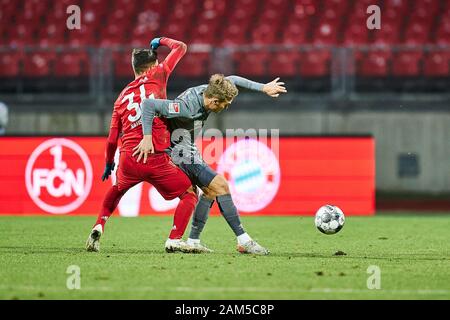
x=329, y=219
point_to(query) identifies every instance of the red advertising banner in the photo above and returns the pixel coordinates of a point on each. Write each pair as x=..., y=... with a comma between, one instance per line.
x=292, y=176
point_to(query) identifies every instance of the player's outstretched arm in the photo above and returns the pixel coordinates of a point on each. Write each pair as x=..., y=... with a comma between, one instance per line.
x=272, y=89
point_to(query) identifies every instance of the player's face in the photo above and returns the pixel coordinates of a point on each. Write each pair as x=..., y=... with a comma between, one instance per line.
x=218, y=106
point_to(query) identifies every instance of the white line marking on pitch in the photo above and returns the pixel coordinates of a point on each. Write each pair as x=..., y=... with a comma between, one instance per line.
x=231, y=289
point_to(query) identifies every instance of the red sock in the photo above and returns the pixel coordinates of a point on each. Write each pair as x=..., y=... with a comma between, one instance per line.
x=182, y=215
x=110, y=203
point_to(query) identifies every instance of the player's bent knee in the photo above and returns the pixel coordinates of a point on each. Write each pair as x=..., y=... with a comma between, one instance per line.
x=208, y=193
x=221, y=186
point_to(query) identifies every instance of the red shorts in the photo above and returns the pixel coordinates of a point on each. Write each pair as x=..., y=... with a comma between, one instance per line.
x=159, y=170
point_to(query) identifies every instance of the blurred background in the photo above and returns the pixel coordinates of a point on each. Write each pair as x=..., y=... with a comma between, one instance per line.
x=392, y=83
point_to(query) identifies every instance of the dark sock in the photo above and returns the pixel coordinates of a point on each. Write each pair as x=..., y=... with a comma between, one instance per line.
x=200, y=217
x=230, y=213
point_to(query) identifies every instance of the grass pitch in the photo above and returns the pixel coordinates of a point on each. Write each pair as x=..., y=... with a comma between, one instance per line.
x=412, y=253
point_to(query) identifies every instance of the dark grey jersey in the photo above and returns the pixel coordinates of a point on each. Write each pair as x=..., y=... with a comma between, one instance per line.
x=184, y=131
x=186, y=115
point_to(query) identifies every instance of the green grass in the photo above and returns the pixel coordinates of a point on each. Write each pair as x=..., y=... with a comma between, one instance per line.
x=412, y=253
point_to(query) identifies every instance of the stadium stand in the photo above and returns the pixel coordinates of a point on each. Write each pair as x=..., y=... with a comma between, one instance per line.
x=284, y=30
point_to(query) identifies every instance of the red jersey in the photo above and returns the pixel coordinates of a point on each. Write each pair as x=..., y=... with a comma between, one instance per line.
x=126, y=117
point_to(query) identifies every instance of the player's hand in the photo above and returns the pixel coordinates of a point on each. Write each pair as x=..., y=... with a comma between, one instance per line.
x=144, y=148
x=154, y=44
x=109, y=167
x=274, y=88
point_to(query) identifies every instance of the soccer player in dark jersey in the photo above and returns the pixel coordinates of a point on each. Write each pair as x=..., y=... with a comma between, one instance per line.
x=188, y=111
x=150, y=82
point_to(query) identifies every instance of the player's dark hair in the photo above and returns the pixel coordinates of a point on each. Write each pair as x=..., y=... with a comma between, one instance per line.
x=142, y=59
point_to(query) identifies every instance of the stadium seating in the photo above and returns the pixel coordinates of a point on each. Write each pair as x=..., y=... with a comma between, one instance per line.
x=112, y=23
x=10, y=64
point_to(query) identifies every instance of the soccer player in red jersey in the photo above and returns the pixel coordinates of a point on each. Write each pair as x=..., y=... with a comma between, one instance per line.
x=150, y=81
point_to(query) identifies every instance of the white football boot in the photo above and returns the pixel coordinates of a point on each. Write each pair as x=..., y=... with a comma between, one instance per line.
x=93, y=242
x=195, y=246
x=252, y=247
x=175, y=245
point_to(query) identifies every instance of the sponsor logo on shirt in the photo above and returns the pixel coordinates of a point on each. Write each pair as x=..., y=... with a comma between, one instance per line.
x=174, y=107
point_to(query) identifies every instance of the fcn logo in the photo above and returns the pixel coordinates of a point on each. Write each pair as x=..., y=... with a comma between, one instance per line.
x=58, y=176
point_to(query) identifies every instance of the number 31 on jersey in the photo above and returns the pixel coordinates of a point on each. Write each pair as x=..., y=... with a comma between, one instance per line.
x=133, y=105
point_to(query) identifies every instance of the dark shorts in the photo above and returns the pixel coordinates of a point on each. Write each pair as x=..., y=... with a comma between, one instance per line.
x=200, y=173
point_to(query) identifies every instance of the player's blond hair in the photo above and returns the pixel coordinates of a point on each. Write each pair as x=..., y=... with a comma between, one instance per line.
x=221, y=88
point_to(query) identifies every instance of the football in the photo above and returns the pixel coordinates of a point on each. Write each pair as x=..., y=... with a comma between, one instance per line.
x=329, y=219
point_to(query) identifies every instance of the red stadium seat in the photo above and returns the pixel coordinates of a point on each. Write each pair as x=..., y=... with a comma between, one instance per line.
x=234, y=35
x=443, y=33
x=99, y=6
x=249, y=5
x=374, y=65
x=218, y=7
x=82, y=37
x=52, y=35
x=176, y=31
x=32, y=12
x=120, y=16
x=10, y=64
x=127, y=6
x=204, y=33
x=280, y=5
x=39, y=64
x=315, y=63
x=271, y=16
x=285, y=64
x=437, y=64
x=406, y=64
x=387, y=35
x=391, y=16
x=264, y=34
x=325, y=34
x=194, y=65
x=332, y=16
x=355, y=35
x=305, y=8
x=72, y=64
x=112, y=35
x=21, y=34
x=417, y=33
x=122, y=65
x=252, y=64
x=296, y=31
x=425, y=8
x=293, y=38
x=159, y=6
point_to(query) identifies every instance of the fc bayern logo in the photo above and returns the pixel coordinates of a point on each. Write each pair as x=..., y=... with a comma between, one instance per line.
x=58, y=176
x=253, y=172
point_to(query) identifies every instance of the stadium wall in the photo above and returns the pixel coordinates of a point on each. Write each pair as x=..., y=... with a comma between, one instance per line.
x=412, y=148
